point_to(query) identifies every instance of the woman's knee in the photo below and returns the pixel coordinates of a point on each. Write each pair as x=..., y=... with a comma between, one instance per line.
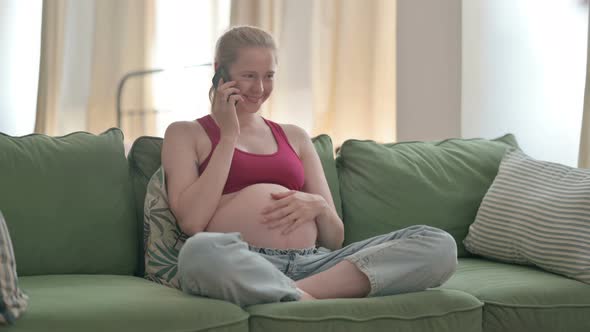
x=203, y=258
x=439, y=250
x=202, y=246
x=443, y=257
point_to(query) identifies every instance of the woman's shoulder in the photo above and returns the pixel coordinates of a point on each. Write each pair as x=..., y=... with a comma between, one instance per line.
x=188, y=135
x=294, y=132
x=184, y=129
x=296, y=136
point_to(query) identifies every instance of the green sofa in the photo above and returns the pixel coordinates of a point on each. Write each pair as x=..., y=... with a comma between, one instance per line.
x=74, y=209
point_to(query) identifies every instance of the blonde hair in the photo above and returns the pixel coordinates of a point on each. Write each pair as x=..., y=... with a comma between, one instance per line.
x=227, y=46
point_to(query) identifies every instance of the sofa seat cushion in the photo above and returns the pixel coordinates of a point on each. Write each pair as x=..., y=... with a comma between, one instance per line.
x=522, y=298
x=120, y=303
x=432, y=310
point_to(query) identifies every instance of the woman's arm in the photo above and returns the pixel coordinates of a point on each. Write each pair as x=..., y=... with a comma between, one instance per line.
x=330, y=226
x=313, y=204
x=291, y=209
x=193, y=198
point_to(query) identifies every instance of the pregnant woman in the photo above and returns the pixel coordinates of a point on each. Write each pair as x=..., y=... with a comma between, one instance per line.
x=252, y=196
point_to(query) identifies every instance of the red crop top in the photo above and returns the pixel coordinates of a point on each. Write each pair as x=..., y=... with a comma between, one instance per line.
x=282, y=167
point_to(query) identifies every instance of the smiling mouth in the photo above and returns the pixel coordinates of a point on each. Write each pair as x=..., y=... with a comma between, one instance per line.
x=253, y=99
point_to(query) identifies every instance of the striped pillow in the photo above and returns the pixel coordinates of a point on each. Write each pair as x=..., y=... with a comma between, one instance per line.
x=12, y=301
x=536, y=213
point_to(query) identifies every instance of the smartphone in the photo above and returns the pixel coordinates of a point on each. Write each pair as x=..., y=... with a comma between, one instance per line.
x=221, y=72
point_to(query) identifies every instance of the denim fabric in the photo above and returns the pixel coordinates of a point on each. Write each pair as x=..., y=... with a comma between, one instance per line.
x=222, y=266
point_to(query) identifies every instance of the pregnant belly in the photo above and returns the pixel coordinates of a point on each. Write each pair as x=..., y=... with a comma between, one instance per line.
x=241, y=212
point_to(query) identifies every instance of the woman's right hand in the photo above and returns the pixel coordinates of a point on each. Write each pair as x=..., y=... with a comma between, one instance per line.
x=224, y=108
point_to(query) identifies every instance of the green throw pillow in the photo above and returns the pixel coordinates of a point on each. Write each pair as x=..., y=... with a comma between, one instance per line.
x=325, y=150
x=536, y=213
x=68, y=203
x=387, y=187
x=12, y=300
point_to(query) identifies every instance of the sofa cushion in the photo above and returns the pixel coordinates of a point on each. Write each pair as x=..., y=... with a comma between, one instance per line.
x=68, y=203
x=144, y=160
x=432, y=310
x=323, y=146
x=121, y=303
x=386, y=187
x=12, y=300
x=536, y=212
x=522, y=298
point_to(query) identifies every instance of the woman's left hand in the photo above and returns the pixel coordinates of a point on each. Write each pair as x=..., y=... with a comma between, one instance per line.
x=292, y=209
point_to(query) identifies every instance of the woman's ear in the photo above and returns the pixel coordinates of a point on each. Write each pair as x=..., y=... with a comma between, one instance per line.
x=215, y=66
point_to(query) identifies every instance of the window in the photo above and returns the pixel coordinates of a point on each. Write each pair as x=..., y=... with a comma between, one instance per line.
x=185, y=36
x=524, y=67
x=20, y=40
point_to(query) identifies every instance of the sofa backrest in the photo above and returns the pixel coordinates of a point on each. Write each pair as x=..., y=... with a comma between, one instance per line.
x=385, y=187
x=145, y=159
x=68, y=203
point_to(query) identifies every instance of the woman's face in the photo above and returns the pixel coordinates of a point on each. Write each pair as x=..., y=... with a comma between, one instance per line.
x=254, y=73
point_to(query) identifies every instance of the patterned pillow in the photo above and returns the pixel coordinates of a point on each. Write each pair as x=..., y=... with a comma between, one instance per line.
x=536, y=213
x=12, y=301
x=162, y=235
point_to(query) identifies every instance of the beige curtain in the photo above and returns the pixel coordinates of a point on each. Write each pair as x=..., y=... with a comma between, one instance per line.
x=354, y=69
x=268, y=15
x=51, y=67
x=122, y=38
x=87, y=46
x=584, y=156
x=350, y=60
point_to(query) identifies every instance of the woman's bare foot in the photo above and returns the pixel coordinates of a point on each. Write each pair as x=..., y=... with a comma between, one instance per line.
x=305, y=296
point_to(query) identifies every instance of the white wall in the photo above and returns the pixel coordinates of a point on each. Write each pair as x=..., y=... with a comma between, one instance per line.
x=20, y=39
x=523, y=72
x=428, y=69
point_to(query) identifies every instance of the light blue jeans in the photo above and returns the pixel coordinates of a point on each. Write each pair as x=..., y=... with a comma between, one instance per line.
x=223, y=266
